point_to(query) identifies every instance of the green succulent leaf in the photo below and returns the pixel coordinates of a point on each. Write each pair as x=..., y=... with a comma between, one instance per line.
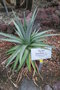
x=23, y=59
x=12, y=49
x=10, y=40
x=12, y=57
x=38, y=35
x=16, y=62
x=23, y=47
x=49, y=35
x=18, y=22
x=30, y=25
x=18, y=28
x=9, y=36
x=41, y=44
x=28, y=62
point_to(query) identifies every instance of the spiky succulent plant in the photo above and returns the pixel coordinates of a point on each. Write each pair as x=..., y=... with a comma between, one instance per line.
x=26, y=38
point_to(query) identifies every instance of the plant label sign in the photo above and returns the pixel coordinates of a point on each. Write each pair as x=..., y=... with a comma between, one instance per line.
x=41, y=53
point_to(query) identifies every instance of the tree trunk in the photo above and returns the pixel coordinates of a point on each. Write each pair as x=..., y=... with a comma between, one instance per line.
x=29, y=4
x=21, y=3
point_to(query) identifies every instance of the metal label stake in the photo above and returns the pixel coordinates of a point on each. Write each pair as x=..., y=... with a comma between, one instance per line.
x=41, y=64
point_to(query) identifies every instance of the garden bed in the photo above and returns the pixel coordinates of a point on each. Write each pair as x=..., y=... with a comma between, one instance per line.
x=47, y=18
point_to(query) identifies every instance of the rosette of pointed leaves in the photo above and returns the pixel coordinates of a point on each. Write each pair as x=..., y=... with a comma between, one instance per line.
x=25, y=39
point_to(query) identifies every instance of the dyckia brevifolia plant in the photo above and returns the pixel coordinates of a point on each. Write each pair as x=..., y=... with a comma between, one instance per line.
x=25, y=39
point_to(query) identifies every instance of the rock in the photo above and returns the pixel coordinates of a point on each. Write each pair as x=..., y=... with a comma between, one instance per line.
x=28, y=85
x=47, y=87
x=56, y=86
x=3, y=27
x=57, y=12
x=55, y=19
x=10, y=29
x=48, y=16
x=50, y=10
x=59, y=7
x=41, y=14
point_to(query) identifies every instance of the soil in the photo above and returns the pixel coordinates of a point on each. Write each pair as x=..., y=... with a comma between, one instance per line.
x=48, y=18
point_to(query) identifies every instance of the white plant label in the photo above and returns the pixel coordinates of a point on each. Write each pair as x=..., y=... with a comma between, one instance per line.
x=41, y=53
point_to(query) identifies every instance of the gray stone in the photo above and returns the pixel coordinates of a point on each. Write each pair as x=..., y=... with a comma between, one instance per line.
x=56, y=86
x=28, y=85
x=47, y=87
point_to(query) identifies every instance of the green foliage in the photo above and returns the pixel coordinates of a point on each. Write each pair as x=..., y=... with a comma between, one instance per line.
x=25, y=40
